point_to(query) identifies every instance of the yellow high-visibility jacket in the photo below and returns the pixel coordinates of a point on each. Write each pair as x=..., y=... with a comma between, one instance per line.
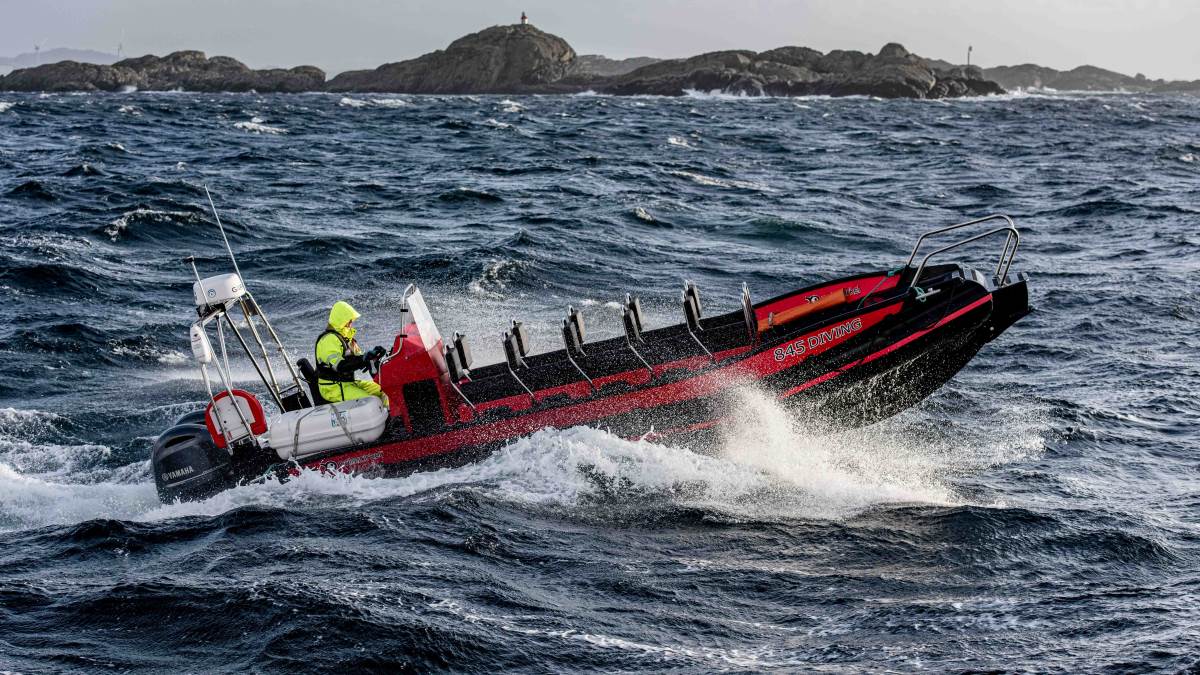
x=338, y=357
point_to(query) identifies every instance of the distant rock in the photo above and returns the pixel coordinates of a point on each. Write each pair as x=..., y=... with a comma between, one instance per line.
x=1177, y=87
x=797, y=71
x=510, y=59
x=1083, y=78
x=31, y=59
x=184, y=70
x=602, y=66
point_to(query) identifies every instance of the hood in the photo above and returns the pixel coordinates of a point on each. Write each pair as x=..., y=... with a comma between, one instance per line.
x=342, y=314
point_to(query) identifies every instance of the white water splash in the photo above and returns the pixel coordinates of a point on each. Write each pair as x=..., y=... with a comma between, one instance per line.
x=709, y=181
x=496, y=278
x=348, y=102
x=5, y=106
x=256, y=125
x=766, y=467
x=119, y=226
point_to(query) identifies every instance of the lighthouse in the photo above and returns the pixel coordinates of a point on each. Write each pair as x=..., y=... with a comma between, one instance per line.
x=524, y=19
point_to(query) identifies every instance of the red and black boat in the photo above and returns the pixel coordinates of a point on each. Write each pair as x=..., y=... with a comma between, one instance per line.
x=845, y=352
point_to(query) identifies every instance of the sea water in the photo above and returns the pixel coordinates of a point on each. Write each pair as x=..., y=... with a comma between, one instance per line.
x=1037, y=513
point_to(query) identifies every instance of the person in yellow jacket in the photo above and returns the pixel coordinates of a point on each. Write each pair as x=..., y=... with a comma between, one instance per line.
x=339, y=357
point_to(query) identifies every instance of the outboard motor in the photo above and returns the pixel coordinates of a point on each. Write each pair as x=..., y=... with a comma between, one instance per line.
x=187, y=465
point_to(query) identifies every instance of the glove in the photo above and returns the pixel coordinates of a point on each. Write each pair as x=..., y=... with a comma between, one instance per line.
x=377, y=353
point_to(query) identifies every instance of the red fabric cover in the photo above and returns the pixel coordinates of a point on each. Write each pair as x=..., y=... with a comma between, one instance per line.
x=258, y=419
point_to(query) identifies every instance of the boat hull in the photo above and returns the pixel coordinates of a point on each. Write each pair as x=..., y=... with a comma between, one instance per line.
x=890, y=357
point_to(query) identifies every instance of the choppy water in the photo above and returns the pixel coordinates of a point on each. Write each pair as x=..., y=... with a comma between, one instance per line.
x=1040, y=513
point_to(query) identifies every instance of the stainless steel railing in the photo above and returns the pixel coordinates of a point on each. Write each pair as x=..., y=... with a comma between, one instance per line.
x=1011, y=242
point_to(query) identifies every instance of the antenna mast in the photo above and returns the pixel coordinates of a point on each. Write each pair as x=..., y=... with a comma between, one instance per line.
x=256, y=310
x=223, y=237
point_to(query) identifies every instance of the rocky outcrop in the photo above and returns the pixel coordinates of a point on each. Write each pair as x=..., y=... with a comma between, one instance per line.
x=29, y=60
x=1083, y=78
x=499, y=60
x=602, y=66
x=184, y=70
x=797, y=71
x=521, y=59
x=1177, y=87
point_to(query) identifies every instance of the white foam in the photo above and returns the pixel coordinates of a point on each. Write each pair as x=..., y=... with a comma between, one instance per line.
x=643, y=214
x=169, y=358
x=495, y=279
x=117, y=227
x=767, y=466
x=256, y=125
x=510, y=106
x=6, y=106
x=754, y=658
x=129, y=110
x=1188, y=157
x=681, y=142
x=718, y=95
x=492, y=122
x=27, y=501
x=348, y=102
x=701, y=179
x=32, y=443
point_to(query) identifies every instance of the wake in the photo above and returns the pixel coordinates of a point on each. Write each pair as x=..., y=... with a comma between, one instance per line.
x=766, y=466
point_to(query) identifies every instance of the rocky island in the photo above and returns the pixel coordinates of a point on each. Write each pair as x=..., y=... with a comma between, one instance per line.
x=800, y=71
x=513, y=59
x=522, y=59
x=1083, y=78
x=183, y=70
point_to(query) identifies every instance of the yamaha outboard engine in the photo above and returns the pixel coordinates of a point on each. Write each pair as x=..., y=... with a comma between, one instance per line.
x=187, y=465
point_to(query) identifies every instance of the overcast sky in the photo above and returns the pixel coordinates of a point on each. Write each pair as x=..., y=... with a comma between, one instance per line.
x=1160, y=38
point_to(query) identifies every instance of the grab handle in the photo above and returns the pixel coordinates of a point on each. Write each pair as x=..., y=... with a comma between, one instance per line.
x=1006, y=257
